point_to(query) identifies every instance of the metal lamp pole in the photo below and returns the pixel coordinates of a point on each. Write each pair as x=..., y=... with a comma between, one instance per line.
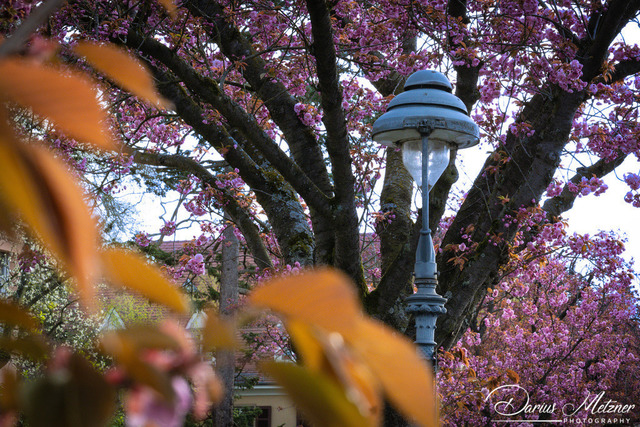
x=429, y=113
x=426, y=304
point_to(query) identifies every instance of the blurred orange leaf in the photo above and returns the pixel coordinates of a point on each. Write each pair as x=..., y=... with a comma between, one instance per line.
x=17, y=316
x=148, y=336
x=76, y=232
x=170, y=6
x=218, y=333
x=18, y=188
x=32, y=346
x=328, y=354
x=40, y=189
x=71, y=394
x=323, y=401
x=8, y=222
x=66, y=98
x=127, y=269
x=122, y=68
x=513, y=376
x=406, y=378
x=10, y=390
x=356, y=377
x=324, y=298
x=307, y=346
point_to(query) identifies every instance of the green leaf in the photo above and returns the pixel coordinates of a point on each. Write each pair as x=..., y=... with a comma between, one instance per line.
x=322, y=400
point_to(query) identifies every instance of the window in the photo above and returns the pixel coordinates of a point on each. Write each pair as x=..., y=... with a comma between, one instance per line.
x=4, y=266
x=112, y=321
x=4, y=273
x=252, y=416
x=264, y=417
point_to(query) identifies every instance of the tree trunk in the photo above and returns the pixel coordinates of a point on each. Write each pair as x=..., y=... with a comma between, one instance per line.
x=225, y=360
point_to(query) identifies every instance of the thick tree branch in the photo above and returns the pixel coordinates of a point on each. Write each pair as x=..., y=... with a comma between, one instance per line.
x=467, y=81
x=399, y=240
x=346, y=220
x=209, y=91
x=515, y=176
x=603, y=28
x=621, y=70
x=274, y=194
x=304, y=146
x=301, y=139
x=217, y=136
x=17, y=40
x=395, y=231
x=331, y=100
x=502, y=189
x=399, y=237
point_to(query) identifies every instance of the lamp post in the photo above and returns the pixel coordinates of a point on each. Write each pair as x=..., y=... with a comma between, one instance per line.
x=426, y=121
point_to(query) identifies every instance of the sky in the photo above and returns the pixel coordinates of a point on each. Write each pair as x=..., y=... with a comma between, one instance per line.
x=610, y=212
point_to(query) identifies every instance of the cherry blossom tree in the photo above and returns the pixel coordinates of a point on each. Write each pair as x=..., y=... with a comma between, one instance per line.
x=285, y=93
x=560, y=328
x=272, y=104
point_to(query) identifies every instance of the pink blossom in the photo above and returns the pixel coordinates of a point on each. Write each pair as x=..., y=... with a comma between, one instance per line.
x=146, y=407
x=168, y=228
x=633, y=180
x=196, y=264
x=142, y=239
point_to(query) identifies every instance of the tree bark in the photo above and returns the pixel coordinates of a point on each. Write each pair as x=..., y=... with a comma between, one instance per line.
x=225, y=359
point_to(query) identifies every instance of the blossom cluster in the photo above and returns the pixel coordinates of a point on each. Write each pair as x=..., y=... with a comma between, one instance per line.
x=586, y=186
x=560, y=331
x=633, y=196
x=308, y=114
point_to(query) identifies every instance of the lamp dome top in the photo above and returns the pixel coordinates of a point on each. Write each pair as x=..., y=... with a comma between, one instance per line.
x=428, y=79
x=426, y=107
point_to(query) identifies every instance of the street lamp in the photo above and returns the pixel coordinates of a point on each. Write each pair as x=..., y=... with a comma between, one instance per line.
x=426, y=121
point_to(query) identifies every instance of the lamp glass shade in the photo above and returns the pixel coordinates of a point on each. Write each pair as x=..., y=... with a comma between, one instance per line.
x=438, y=160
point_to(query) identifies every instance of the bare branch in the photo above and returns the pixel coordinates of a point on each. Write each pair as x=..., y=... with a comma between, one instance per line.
x=301, y=139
